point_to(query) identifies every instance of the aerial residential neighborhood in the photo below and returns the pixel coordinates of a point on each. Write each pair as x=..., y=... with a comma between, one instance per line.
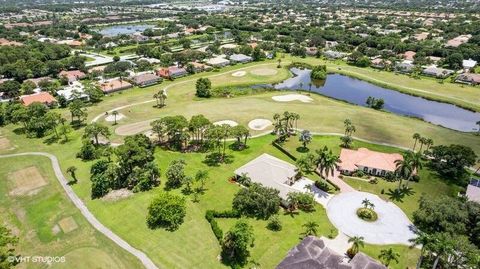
x=240, y=134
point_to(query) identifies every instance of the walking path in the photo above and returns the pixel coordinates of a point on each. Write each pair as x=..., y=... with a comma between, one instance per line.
x=344, y=187
x=84, y=210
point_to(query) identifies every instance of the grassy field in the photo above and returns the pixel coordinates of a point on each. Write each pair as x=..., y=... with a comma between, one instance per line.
x=459, y=94
x=36, y=219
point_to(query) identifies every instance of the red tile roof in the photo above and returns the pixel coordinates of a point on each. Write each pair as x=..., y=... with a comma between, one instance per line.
x=42, y=97
x=352, y=159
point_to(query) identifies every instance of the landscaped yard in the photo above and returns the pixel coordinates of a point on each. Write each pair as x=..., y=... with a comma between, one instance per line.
x=48, y=224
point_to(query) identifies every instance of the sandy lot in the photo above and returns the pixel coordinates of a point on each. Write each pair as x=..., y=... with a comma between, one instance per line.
x=68, y=224
x=259, y=124
x=26, y=181
x=292, y=97
x=239, y=74
x=264, y=71
x=228, y=122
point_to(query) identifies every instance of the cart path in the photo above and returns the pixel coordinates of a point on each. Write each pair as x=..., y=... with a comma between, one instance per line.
x=84, y=210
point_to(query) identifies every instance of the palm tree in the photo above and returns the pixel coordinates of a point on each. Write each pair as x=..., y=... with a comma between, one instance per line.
x=440, y=245
x=115, y=113
x=330, y=164
x=310, y=87
x=156, y=99
x=366, y=203
x=423, y=240
x=423, y=141
x=162, y=97
x=428, y=143
x=311, y=228
x=357, y=242
x=416, y=136
x=388, y=255
x=305, y=138
x=296, y=117
x=406, y=167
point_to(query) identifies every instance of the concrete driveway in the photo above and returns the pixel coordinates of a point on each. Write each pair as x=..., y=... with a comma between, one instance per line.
x=392, y=226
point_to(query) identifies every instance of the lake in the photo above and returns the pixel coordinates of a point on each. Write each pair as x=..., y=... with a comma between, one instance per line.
x=356, y=91
x=126, y=29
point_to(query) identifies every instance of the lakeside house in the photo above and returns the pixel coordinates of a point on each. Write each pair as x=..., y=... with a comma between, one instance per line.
x=74, y=90
x=72, y=75
x=6, y=42
x=371, y=162
x=409, y=55
x=437, y=72
x=41, y=97
x=146, y=79
x=218, y=62
x=172, y=72
x=240, y=58
x=468, y=78
x=405, y=67
x=114, y=85
x=312, y=252
x=380, y=63
x=311, y=51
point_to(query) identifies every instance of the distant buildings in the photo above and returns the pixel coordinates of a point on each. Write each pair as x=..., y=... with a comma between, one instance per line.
x=469, y=64
x=457, y=41
x=75, y=90
x=218, y=62
x=172, y=72
x=240, y=58
x=468, y=78
x=437, y=72
x=473, y=190
x=147, y=79
x=72, y=75
x=114, y=85
x=330, y=54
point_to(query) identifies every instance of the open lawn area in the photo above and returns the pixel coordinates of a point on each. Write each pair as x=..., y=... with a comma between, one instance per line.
x=48, y=224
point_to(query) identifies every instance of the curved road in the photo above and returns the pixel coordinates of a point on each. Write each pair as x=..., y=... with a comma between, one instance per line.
x=84, y=210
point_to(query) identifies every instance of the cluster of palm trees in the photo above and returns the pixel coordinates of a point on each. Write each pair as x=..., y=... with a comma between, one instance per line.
x=407, y=167
x=326, y=161
x=367, y=203
x=284, y=124
x=160, y=98
x=349, y=130
x=386, y=255
x=423, y=141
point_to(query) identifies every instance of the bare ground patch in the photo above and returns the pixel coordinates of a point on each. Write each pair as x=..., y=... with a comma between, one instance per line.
x=26, y=181
x=116, y=195
x=68, y=224
x=5, y=143
x=134, y=128
x=264, y=71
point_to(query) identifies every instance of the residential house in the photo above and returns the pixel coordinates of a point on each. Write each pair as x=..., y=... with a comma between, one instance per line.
x=473, y=190
x=330, y=44
x=437, y=72
x=114, y=85
x=405, y=67
x=218, y=62
x=380, y=63
x=457, y=41
x=74, y=90
x=41, y=97
x=330, y=54
x=312, y=252
x=468, y=64
x=311, y=51
x=6, y=42
x=199, y=67
x=368, y=161
x=240, y=58
x=72, y=75
x=146, y=79
x=409, y=55
x=172, y=72
x=468, y=78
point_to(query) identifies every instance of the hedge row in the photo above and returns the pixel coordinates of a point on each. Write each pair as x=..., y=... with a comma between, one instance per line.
x=284, y=151
x=210, y=215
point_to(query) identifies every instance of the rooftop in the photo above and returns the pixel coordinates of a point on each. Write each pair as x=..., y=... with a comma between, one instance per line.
x=352, y=159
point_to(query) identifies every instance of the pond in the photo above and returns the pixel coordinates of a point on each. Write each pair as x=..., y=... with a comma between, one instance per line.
x=356, y=91
x=126, y=29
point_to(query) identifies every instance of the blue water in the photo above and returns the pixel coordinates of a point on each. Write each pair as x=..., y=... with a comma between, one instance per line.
x=116, y=30
x=357, y=91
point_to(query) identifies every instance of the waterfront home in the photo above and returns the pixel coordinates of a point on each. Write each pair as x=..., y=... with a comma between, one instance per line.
x=468, y=78
x=437, y=72
x=371, y=162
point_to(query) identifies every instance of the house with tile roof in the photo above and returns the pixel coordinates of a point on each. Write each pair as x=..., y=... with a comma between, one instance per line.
x=368, y=161
x=473, y=190
x=41, y=97
x=114, y=85
x=72, y=75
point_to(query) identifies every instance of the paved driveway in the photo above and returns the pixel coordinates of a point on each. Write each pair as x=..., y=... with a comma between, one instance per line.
x=392, y=226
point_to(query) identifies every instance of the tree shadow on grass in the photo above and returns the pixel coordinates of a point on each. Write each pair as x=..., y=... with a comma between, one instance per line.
x=215, y=159
x=50, y=140
x=19, y=131
x=302, y=150
x=398, y=194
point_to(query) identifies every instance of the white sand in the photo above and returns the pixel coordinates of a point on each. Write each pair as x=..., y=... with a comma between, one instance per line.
x=259, y=124
x=228, y=122
x=239, y=74
x=111, y=118
x=292, y=97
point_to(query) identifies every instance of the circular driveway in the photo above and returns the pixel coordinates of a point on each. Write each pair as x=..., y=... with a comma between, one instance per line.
x=391, y=227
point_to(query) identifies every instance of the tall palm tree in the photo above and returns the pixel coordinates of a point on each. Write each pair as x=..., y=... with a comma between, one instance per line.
x=115, y=113
x=403, y=168
x=156, y=99
x=365, y=203
x=311, y=228
x=310, y=87
x=423, y=240
x=388, y=255
x=162, y=96
x=330, y=163
x=416, y=136
x=423, y=141
x=428, y=143
x=357, y=243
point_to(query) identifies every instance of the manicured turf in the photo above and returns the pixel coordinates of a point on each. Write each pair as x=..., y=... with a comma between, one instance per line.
x=33, y=218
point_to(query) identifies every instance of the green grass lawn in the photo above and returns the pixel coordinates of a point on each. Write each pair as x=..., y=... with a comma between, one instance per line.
x=33, y=218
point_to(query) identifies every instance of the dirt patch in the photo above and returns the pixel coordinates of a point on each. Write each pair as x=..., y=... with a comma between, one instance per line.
x=134, y=128
x=116, y=195
x=5, y=143
x=68, y=224
x=26, y=181
x=56, y=229
x=259, y=124
x=227, y=122
x=264, y=71
x=239, y=74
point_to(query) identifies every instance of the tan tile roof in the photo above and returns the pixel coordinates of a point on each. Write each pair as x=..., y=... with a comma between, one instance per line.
x=42, y=97
x=351, y=159
x=114, y=85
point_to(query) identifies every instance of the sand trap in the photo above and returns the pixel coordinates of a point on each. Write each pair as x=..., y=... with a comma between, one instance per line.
x=239, y=74
x=227, y=122
x=259, y=124
x=111, y=118
x=134, y=128
x=292, y=97
x=68, y=224
x=26, y=181
x=116, y=195
x=264, y=71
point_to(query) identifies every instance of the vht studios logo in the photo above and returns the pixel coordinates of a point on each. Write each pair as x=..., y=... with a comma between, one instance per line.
x=37, y=259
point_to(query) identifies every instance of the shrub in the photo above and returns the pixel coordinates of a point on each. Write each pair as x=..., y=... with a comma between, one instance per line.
x=166, y=211
x=217, y=231
x=390, y=176
x=373, y=180
x=257, y=201
x=367, y=214
x=322, y=185
x=274, y=224
x=359, y=173
x=302, y=201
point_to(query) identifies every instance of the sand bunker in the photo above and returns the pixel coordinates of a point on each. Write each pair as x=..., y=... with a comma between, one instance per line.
x=26, y=181
x=68, y=224
x=111, y=118
x=239, y=74
x=134, y=128
x=228, y=122
x=259, y=124
x=292, y=97
x=264, y=71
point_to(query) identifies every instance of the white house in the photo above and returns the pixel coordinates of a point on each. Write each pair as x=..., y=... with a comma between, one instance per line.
x=469, y=64
x=74, y=90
